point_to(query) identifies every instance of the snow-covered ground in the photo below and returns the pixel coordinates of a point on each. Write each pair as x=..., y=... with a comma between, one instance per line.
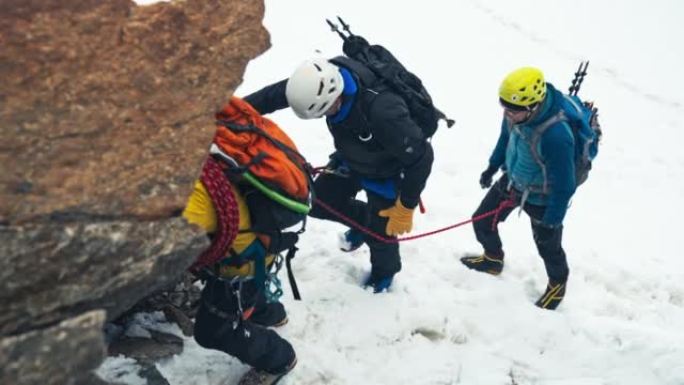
x=622, y=321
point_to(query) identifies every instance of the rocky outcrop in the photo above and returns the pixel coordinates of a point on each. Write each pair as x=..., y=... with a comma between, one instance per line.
x=147, y=350
x=63, y=354
x=55, y=271
x=106, y=108
x=106, y=111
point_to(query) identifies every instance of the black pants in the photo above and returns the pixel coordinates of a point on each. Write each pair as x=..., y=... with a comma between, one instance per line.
x=548, y=240
x=339, y=192
x=251, y=343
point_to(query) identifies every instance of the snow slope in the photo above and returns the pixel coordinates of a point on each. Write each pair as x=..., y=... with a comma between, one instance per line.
x=621, y=321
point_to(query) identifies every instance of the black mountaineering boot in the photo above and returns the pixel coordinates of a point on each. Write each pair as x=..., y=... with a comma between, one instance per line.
x=484, y=263
x=260, y=377
x=555, y=291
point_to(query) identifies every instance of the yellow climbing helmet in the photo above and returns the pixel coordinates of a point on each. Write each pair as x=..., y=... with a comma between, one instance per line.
x=523, y=87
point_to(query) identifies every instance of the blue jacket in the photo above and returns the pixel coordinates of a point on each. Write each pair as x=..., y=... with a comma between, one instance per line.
x=549, y=180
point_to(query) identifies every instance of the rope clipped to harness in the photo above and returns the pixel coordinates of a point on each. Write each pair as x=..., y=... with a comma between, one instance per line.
x=273, y=286
x=505, y=204
x=227, y=214
x=508, y=203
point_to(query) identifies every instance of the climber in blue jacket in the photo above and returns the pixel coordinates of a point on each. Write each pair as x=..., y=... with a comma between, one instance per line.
x=536, y=152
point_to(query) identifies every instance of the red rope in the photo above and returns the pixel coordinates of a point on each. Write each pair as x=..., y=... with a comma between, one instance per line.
x=503, y=205
x=227, y=213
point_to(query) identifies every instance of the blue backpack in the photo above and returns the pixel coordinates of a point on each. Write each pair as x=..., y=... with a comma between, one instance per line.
x=582, y=117
x=583, y=120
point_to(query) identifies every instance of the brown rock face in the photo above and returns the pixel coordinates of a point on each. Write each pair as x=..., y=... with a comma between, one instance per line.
x=106, y=112
x=107, y=108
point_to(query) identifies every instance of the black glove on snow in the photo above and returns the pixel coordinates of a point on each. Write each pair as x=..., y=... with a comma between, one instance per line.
x=486, y=176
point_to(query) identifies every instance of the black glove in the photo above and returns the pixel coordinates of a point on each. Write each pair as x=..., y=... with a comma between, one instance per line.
x=334, y=161
x=336, y=165
x=486, y=176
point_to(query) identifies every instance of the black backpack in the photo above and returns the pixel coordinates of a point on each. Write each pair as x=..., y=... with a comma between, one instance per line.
x=392, y=73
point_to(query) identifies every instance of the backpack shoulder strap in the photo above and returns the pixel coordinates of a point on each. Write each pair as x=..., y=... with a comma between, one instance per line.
x=369, y=88
x=545, y=125
x=365, y=74
x=536, y=138
x=571, y=100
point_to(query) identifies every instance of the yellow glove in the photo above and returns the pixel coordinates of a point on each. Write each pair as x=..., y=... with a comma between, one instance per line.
x=400, y=219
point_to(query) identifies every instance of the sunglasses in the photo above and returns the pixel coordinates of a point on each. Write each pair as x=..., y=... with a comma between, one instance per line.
x=514, y=108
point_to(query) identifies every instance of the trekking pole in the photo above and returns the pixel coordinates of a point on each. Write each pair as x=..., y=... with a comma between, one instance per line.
x=579, y=77
x=334, y=28
x=345, y=26
x=441, y=115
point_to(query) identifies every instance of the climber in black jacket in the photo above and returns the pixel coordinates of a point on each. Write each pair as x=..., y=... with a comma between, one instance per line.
x=379, y=149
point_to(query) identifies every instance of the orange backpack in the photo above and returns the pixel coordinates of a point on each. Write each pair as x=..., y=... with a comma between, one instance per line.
x=256, y=149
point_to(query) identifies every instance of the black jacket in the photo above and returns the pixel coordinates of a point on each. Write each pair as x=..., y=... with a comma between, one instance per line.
x=397, y=147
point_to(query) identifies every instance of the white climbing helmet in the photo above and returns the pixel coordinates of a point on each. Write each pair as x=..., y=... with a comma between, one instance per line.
x=313, y=88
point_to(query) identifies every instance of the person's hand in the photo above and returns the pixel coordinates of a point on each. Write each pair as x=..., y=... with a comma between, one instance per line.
x=400, y=219
x=486, y=177
x=334, y=161
x=337, y=166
